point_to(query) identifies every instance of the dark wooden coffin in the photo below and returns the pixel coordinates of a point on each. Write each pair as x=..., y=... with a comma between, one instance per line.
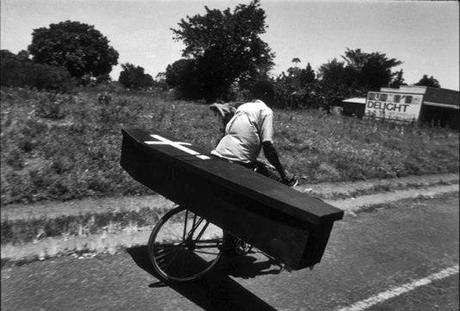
x=290, y=226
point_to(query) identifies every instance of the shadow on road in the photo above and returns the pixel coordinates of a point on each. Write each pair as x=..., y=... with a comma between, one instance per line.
x=216, y=290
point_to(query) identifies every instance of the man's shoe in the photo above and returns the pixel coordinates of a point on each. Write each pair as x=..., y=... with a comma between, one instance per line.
x=293, y=182
x=230, y=253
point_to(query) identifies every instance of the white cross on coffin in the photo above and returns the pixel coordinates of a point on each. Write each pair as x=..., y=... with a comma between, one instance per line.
x=160, y=140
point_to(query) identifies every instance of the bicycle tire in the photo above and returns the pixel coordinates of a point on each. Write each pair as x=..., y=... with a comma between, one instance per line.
x=182, y=255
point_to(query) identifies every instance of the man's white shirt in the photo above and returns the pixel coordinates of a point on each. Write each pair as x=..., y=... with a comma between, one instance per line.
x=251, y=125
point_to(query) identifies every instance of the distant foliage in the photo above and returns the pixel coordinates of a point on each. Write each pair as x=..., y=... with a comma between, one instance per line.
x=370, y=71
x=52, y=106
x=19, y=71
x=398, y=80
x=297, y=88
x=133, y=77
x=428, y=81
x=78, y=155
x=181, y=75
x=358, y=73
x=78, y=47
x=104, y=99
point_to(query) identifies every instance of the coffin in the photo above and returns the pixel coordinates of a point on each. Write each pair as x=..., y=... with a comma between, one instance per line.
x=288, y=225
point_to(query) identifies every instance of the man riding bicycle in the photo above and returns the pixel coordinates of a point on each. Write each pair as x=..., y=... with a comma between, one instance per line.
x=249, y=130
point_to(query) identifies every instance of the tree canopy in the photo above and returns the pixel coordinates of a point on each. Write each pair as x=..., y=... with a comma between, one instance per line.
x=19, y=71
x=358, y=73
x=181, y=75
x=428, y=81
x=133, y=77
x=371, y=70
x=398, y=80
x=226, y=47
x=78, y=47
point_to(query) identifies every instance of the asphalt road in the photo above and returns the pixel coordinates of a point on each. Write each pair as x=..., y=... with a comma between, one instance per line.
x=400, y=258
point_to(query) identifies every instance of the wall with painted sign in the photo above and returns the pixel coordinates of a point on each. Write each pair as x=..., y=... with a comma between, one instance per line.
x=397, y=106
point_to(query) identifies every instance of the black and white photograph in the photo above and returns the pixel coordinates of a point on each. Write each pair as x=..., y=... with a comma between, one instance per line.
x=229, y=155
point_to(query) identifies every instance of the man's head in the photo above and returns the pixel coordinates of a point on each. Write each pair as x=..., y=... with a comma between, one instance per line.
x=264, y=91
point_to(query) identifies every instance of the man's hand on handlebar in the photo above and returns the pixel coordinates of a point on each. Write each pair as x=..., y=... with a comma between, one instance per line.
x=290, y=180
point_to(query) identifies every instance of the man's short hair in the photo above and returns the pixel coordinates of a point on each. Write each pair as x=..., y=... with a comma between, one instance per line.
x=263, y=90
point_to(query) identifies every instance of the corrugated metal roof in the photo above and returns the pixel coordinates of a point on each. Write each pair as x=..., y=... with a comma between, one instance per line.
x=430, y=94
x=413, y=89
x=355, y=100
x=440, y=105
x=442, y=96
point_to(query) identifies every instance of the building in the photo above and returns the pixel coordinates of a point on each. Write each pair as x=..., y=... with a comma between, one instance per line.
x=421, y=104
x=354, y=106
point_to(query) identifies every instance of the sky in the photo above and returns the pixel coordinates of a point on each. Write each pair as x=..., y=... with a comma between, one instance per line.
x=424, y=35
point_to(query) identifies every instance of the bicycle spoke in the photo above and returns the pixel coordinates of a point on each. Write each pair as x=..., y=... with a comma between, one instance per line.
x=160, y=258
x=184, y=246
x=207, y=253
x=194, y=227
x=162, y=255
x=185, y=225
x=207, y=244
x=172, y=259
x=202, y=230
x=193, y=224
x=173, y=244
x=217, y=240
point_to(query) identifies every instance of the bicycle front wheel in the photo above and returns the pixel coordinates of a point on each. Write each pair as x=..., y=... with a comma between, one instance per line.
x=184, y=246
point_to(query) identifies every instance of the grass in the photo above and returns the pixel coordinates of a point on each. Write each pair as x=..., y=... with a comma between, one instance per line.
x=68, y=146
x=28, y=230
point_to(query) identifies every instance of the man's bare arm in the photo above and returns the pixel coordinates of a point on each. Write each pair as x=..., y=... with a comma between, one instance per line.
x=272, y=157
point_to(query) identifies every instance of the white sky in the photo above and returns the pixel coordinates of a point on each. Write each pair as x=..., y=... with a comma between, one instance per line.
x=424, y=35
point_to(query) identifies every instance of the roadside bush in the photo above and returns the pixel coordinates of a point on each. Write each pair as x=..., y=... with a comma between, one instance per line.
x=50, y=159
x=52, y=106
x=19, y=72
x=15, y=159
x=104, y=98
x=120, y=113
x=308, y=97
x=299, y=89
x=15, y=188
x=29, y=135
x=133, y=77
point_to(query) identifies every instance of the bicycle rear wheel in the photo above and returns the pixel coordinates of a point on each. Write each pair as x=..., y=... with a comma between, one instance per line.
x=184, y=246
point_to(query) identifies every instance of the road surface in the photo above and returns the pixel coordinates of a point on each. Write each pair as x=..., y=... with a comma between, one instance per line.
x=399, y=258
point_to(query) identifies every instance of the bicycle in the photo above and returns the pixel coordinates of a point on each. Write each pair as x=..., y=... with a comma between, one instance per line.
x=184, y=246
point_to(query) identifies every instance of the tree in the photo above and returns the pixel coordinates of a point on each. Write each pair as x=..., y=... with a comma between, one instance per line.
x=19, y=71
x=133, y=77
x=372, y=70
x=23, y=55
x=398, y=80
x=338, y=81
x=297, y=88
x=296, y=61
x=226, y=47
x=79, y=47
x=431, y=82
x=307, y=76
x=335, y=75
x=358, y=73
x=183, y=76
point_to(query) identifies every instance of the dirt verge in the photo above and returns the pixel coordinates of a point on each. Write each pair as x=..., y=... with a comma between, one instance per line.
x=105, y=225
x=342, y=190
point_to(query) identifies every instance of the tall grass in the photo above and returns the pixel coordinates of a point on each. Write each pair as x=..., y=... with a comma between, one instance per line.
x=332, y=148
x=64, y=147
